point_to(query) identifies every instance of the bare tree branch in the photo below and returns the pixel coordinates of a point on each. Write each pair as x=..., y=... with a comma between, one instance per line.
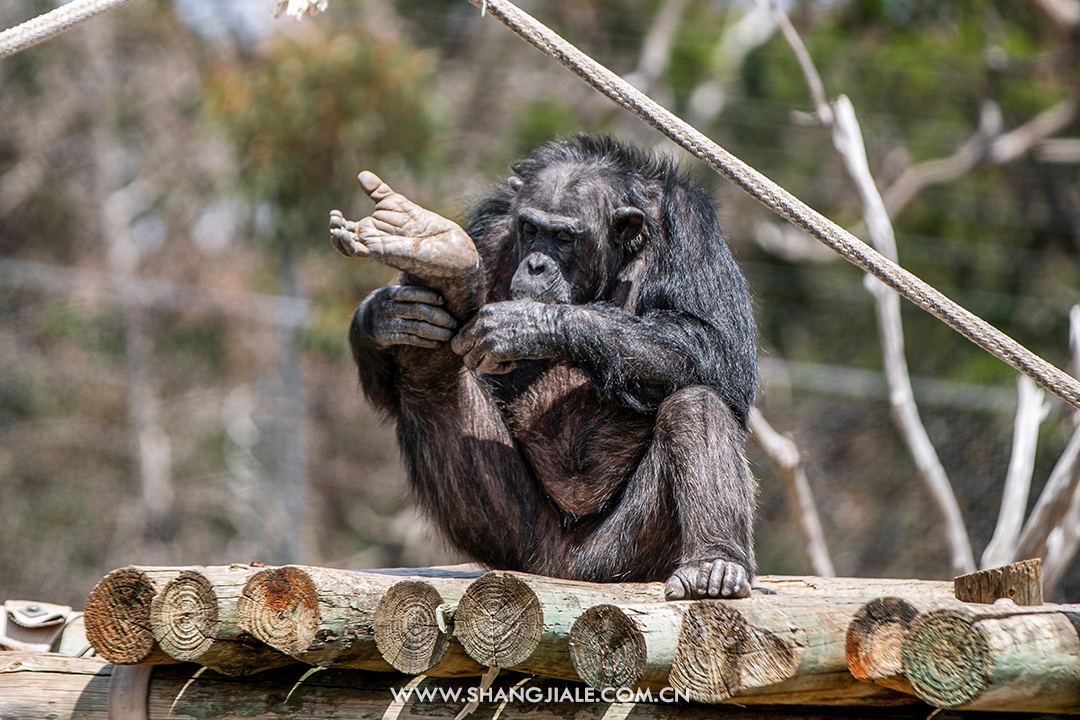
x=1064, y=540
x=847, y=137
x=1059, y=150
x=786, y=460
x=1055, y=502
x=1031, y=410
x=1063, y=13
x=986, y=145
x=1061, y=546
x=656, y=50
x=750, y=31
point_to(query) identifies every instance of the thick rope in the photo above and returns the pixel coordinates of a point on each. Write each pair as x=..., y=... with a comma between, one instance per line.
x=52, y=23
x=784, y=203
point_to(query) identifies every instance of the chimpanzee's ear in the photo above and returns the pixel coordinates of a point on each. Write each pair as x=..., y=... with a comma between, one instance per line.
x=627, y=223
x=515, y=183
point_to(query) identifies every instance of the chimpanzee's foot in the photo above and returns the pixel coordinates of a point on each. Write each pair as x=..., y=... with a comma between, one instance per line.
x=404, y=235
x=708, y=579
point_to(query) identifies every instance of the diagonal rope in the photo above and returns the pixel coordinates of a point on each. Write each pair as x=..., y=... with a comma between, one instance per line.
x=52, y=23
x=784, y=203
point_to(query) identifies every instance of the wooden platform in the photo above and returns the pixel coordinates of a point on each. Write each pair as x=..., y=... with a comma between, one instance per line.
x=303, y=642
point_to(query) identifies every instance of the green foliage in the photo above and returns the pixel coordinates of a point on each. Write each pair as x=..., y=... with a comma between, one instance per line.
x=315, y=110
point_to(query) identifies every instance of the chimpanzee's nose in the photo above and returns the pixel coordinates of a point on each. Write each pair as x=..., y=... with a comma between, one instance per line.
x=537, y=263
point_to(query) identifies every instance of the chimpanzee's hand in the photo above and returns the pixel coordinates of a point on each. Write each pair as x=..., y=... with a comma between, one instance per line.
x=502, y=333
x=407, y=315
x=404, y=235
x=708, y=579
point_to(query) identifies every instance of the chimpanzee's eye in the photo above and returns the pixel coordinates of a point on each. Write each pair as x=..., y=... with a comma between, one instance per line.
x=564, y=237
x=528, y=229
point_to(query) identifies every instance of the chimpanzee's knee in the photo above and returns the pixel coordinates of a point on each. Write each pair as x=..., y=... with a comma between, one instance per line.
x=699, y=416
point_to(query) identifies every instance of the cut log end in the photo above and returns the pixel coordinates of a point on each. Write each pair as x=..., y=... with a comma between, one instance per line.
x=118, y=618
x=185, y=617
x=410, y=626
x=873, y=638
x=946, y=658
x=719, y=653
x=499, y=620
x=280, y=607
x=607, y=650
x=1020, y=582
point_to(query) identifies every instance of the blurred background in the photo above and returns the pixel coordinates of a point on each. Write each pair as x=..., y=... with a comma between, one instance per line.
x=175, y=384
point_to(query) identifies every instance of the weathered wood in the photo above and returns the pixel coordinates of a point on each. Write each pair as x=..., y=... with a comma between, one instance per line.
x=35, y=686
x=319, y=616
x=1020, y=582
x=48, y=685
x=809, y=585
x=520, y=621
x=326, y=617
x=118, y=615
x=630, y=646
x=872, y=646
x=995, y=657
x=194, y=619
x=414, y=625
x=771, y=650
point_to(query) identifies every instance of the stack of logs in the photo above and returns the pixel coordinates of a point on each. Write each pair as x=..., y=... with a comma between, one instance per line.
x=796, y=641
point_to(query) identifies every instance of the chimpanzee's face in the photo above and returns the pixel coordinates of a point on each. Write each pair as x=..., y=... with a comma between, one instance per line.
x=569, y=234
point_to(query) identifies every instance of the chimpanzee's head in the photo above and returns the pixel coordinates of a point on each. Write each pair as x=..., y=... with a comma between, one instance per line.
x=575, y=226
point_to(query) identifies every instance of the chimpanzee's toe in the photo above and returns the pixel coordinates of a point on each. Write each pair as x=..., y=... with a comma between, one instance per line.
x=708, y=579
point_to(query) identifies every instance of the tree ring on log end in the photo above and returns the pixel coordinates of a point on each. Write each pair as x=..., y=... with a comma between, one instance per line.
x=719, y=652
x=499, y=620
x=185, y=616
x=946, y=657
x=704, y=664
x=118, y=616
x=873, y=637
x=280, y=607
x=607, y=649
x=407, y=629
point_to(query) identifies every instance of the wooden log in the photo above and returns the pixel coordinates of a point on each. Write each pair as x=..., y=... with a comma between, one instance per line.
x=44, y=685
x=809, y=585
x=995, y=657
x=118, y=615
x=1020, y=582
x=326, y=617
x=194, y=619
x=872, y=645
x=413, y=626
x=520, y=621
x=772, y=650
x=626, y=647
x=319, y=616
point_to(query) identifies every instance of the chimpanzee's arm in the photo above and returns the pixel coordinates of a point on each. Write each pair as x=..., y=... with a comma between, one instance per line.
x=640, y=360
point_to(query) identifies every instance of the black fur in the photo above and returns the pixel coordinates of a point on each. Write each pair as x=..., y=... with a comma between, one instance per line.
x=604, y=442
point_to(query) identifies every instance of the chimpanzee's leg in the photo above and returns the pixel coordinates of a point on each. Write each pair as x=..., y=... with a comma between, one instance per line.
x=688, y=508
x=469, y=475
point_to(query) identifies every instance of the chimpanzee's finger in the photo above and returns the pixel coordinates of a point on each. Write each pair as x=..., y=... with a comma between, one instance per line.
x=373, y=185
x=413, y=293
x=716, y=577
x=700, y=573
x=422, y=311
x=675, y=588
x=409, y=339
x=735, y=582
x=465, y=339
x=337, y=220
x=346, y=243
x=418, y=328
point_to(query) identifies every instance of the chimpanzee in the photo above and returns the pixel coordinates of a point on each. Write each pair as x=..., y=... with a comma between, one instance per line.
x=571, y=374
